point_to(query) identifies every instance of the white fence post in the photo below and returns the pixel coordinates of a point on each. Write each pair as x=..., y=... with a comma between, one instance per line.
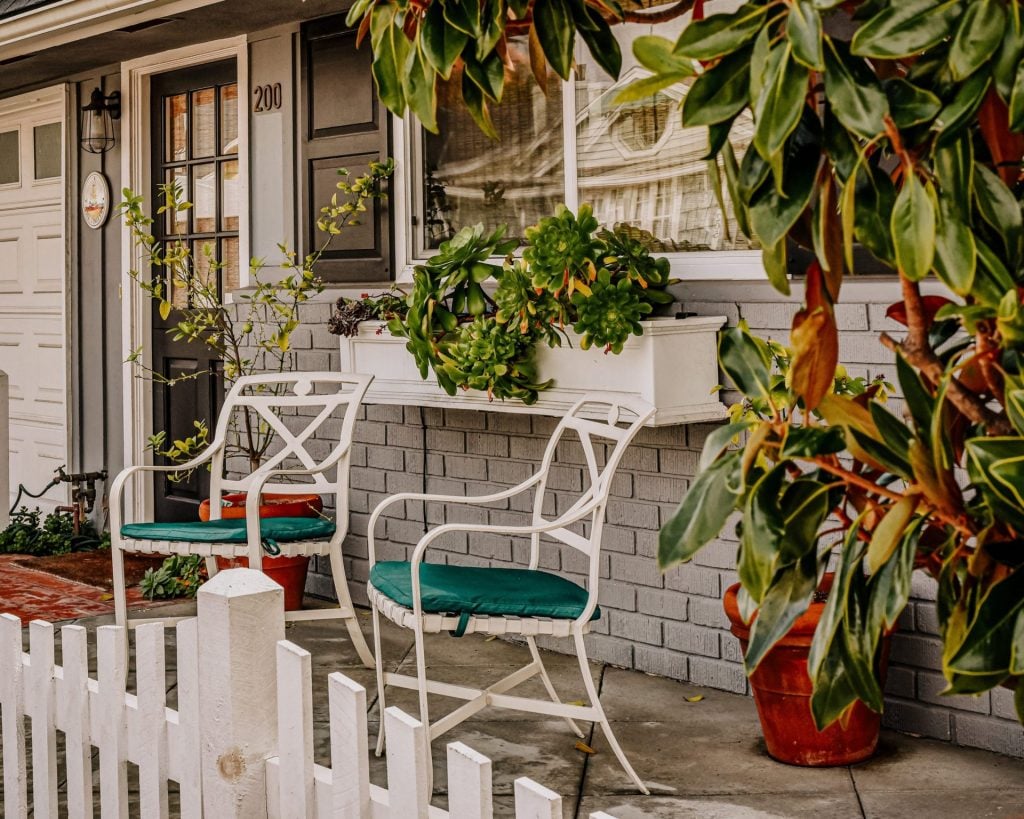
x=241, y=619
x=5, y=450
x=12, y=704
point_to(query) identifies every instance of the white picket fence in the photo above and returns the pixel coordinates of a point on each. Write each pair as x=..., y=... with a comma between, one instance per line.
x=239, y=745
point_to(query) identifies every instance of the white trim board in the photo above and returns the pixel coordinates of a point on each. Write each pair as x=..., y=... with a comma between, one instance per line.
x=136, y=325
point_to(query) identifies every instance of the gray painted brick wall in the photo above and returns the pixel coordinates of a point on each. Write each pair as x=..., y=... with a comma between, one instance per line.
x=671, y=624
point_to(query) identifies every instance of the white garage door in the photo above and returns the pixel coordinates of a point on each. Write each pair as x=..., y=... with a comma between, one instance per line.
x=33, y=286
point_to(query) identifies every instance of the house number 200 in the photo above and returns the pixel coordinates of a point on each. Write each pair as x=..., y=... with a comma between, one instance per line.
x=268, y=98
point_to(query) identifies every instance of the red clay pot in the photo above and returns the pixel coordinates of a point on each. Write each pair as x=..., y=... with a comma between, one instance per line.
x=288, y=572
x=782, y=691
x=274, y=506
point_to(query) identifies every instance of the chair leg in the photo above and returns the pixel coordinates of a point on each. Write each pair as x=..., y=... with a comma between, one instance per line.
x=380, y=679
x=355, y=633
x=211, y=567
x=421, y=679
x=595, y=702
x=532, y=643
x=120, y=594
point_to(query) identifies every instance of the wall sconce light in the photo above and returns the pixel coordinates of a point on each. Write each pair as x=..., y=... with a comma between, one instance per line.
x=96, y=131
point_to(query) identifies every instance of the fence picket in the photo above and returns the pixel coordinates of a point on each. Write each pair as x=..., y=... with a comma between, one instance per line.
x=73, y=717
x=12, y=703
x=350, y=769
x=151, y=722
x=187, y=752
x=534, y=801
x=469, y=783
x=109, y=723
x=40, y=704
x=295, y=730
x=408, y=796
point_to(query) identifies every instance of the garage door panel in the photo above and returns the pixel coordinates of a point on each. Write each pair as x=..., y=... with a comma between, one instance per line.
x=33, y=277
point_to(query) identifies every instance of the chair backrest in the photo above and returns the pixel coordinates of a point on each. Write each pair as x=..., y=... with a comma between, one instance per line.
x=293, y=408
x=604, y=427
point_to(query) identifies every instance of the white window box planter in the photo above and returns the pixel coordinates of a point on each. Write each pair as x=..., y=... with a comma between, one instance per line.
x=673, y=366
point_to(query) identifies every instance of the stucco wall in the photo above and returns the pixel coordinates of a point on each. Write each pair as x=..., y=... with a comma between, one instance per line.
x=671, y=624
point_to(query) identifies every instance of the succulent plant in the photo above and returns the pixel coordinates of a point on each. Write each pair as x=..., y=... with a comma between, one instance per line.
x=526, y=308
x=611, y=313
x=561, y=250
x=487, y=356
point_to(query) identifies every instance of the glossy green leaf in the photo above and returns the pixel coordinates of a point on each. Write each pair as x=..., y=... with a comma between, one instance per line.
x=803, y=30
x=1006, y=64
x=956, y=255
x=1000, y=208
x=476, y=104
x=1017, y=646
x=987, y=644
x=833, y=693
x=956, y=116
x=390, y=49
x=889, y=587
x=419, y=79
x=893, y=431
x=732, y=174
x=719, y=93
x=996, y=466
x=781, y=103
x=875, y=199
x=905, y=28
x=553, y=22
x=789, y=596
x=806, y=442
x=488, y=76
x=745, y=359
x=719, y=440
x=954, y=167
x=773, y=259
x=721, y=34
x=910, y=104
x=774, y=212
x=1015, y=409
x=1017, y=101
x=763, y=530
x=702, y=514
x=889, y=532
x=977, y=37
x=655, y=54
x=442, y=44
x=464, y=15
x=919, y=400
x=647, y=87
x=603, y=45
x=913, y=229
x=855, y=95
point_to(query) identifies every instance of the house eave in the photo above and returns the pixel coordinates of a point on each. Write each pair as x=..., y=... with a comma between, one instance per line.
x=67, y=21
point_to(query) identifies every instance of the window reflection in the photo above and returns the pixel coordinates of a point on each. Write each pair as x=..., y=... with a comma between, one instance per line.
x=469, y=178
x=637, y=165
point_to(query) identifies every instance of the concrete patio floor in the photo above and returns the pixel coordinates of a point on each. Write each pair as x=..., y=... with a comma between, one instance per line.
x=700, y=759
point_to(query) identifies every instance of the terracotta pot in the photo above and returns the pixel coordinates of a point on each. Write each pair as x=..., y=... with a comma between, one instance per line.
x=287, y=572
x=782, y=691
x=274, y=506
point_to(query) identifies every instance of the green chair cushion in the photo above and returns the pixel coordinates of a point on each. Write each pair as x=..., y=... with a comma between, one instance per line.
x=231, y=531
x=479, y=590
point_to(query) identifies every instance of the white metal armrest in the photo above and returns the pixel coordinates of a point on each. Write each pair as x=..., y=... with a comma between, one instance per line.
x=567, y=519
x=252, y=505
x=117, y=487
x=423, y=496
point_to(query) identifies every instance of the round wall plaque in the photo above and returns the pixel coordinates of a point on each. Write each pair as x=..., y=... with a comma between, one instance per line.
x=95, y=200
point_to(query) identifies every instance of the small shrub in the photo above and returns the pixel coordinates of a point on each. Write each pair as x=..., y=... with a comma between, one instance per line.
x=31, y=534
x=178, y=576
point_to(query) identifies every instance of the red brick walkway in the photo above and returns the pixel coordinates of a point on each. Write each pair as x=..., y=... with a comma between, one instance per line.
x=33, y=595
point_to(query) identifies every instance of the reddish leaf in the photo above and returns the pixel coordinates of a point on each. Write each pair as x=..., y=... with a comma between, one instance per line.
x=698, y=10
x=1006, y=147
x=932, y=305
x=815, y=342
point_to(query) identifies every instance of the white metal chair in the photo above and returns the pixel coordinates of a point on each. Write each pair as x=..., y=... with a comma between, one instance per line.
x=430, y=598
x=330, y=397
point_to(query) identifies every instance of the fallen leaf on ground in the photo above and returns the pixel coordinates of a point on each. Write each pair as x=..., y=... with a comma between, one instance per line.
x=580, y=703
x=492, y=637
x=582, y=746
x=106, y=597
x=695, y=698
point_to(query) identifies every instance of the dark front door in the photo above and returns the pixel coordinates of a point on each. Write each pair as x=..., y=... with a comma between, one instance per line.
x=195, y=145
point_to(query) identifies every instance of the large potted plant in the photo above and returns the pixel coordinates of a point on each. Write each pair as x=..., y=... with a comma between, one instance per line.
x=251, y=336
x=893, y=124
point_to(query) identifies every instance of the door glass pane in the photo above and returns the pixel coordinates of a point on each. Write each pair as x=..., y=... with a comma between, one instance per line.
x=48, y=148
x=204, y=122
x=178, y=222
x=203, y=255
x=230, y=273
x=176, y=125
x=229, y=119
x=516, y=179
x=10, y=159
x=637, y=165
x=229, y=204
x=178, y=288
x=204, y=198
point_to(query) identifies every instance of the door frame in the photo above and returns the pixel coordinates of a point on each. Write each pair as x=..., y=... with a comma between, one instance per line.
x=136, y=310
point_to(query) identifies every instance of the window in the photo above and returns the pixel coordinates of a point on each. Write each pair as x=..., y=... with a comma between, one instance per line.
x=10, y=158
x=48, y=148
x=633, y=163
